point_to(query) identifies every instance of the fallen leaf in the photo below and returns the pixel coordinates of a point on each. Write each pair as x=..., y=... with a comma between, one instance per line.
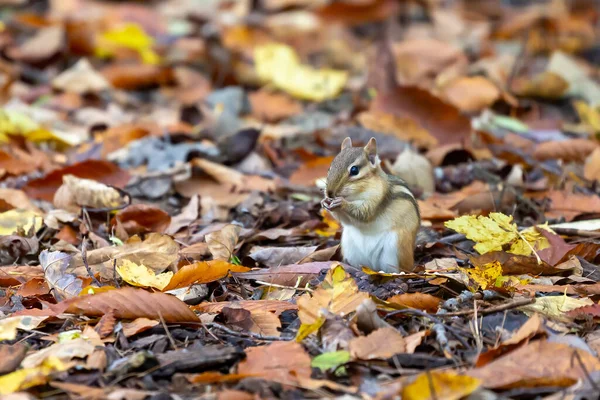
x=279, y=65
x=539, y=363
x=129, y=76
x=415, y=170
x=130, y=36
x=447, y=385
x=142, y=218
x=403, y=128
x=568, y=150
x=555, y=306
x=382, y=343
x=13, y=220
x=25, y=378
x=331, y=360
x=81, y=78
x=97, y=170
x=202, y=272
x=282, y=362
x=420, y=301
x=77, y=192
x=497, y=230
x=142, y=276
x=76, y=348
x=338, y=293
x=273, y=107
x=63, y=284
x=11, y=356
x=34, y=287
x=546, y=85
x=13, y=198
x=471, y=94
x=591, y=168
x=308, y=173
x=46, y=43
x=221, y=244
x=188, y=214
x=138, y=325
x=273, y=306
x=156, y=252
x=483, y=276
x=569, y=205
x=274, y=256
x=263, y=323
x=287, y=275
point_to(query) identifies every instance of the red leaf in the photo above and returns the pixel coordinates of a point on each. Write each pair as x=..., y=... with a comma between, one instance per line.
x=98, y=170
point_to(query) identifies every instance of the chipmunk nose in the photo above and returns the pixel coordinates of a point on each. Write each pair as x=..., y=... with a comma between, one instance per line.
x=329, y=193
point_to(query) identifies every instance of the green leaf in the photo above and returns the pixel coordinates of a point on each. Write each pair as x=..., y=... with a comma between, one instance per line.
x=331, y=360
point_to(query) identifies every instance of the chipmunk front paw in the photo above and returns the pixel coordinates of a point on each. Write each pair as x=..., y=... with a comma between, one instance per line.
x=331, y=204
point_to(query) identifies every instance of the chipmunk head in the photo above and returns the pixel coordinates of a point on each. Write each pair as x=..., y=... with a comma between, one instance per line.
x=352, y=171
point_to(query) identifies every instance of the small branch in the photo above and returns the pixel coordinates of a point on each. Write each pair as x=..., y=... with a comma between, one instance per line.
x=85, y=262
x=490, y=310
x=246, y=334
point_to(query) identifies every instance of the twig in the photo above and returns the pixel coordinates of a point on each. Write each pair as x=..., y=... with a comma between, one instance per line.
x=164, y=325
x=490, y=310
x=247, y=334
x=85, y=263
x=585, y=371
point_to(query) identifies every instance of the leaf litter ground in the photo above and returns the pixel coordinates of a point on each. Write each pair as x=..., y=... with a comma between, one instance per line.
x=161, y=167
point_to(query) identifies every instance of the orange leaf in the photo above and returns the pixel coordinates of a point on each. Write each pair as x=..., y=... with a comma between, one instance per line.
x=203, y=272
x=136, y=76
x=567, y=150
x=282, y=362
x=274, y=306
x=312, y=170
x=142, y=218
x=420, y=301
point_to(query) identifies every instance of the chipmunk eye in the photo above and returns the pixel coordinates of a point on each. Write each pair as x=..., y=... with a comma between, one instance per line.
x=354, y=170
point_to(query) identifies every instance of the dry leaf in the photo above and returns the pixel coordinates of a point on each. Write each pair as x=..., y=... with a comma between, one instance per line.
x=282, y=362
x=567, y=150
x=401, y=127
x=591, y=168
x=445, y=385
x=221, y=244
x=415, y=170
x=76, y=192
x=81, y=78
x=383, y=343
x=203, y=272
x=13, y=220
x=142, y=276
x=142, y=218
x=273, y=107
x=538, y=363
x=471, y=94
x=55, y=265
x=420, y=301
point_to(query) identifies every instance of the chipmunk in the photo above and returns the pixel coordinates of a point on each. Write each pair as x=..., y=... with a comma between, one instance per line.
x=379, y=214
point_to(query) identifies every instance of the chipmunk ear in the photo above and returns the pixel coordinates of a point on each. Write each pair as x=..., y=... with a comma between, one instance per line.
x=371, y=150
x=346, y=143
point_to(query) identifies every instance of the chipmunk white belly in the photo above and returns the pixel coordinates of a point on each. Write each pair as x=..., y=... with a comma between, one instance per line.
x=374, y=245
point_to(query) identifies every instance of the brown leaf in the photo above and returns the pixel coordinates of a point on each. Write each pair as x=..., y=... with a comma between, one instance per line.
x=282, y=362
x=347, y=13
x=383, y=343
x=15, y=275
x=142, y=218
x=80, y=78
x=406, y=129
x=137, y=76
x=138, y=325
x=75, y=193
x=188, y=214
x=202, y=272
x=260, y=322
x=15, y=161
x=273, y=306
x=13, y=198
x=309, y=172
x=579, y=289
x=130, y=303
x=570, y=205
x=582, y=312
x=558, y=249
x=471, y=93
x=540, y=363
x=101, y=171
x=591, y=168
x=156, y=252
x=45, y=44
x=117, y=137
x=287, y=275
x=274, y=256
x=106, y=325
x=420, y=301
x=547, y=85
x=11, y=356
x=221, y=244
x=567, y=150
x=513, y=264
x=34, y=287
x=273, y=107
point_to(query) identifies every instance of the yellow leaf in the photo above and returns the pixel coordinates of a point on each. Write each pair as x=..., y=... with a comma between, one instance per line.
x=484, y=276
x=130, y=36
x=332, y=225
x=12, y=220
x=495, y=232
x=279, y=64
x=8, y=328
x=555, y=306
x=446, y=385
x=16, y=123
x=142, y=276
x=338, y=293
x=30, y=377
